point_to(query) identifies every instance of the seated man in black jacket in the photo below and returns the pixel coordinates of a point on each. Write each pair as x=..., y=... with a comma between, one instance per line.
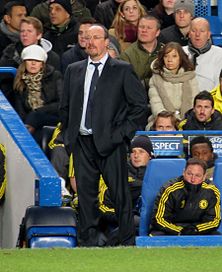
x=141, y=152
x=202, y=116
x=187, y=205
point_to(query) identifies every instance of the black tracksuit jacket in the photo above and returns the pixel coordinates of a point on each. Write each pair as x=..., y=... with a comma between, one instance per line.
x=181, y=204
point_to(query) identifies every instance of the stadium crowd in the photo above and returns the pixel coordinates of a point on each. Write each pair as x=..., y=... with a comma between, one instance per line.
x=100, y=71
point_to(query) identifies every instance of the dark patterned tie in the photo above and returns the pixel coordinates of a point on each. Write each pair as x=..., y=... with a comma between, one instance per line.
x=88, y=120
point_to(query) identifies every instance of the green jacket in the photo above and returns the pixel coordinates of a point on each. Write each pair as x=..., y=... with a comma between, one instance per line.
x=141, y=60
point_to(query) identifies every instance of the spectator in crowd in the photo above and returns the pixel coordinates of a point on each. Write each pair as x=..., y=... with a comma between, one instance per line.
x=149, y=4
x=38, y=89
x=164, y=11
x=3, y=179
x=125, y=23
x=41, y=11
x=77, y=52
x=202, y=149
x=165, y=121
x=62, y=32
x=14, y=12
x=217, y=94
x=113, y=47
x=27, y=3
x=30, y=33
x=184, y=13
x=105, y=12
x=205, y=56
x=173, y=85
x=142, y=52
x=101, y=132
x=141, y=152
x=187, y=205
x=202, y=116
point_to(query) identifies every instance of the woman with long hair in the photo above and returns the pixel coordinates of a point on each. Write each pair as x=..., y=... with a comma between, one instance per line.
x=37, y=88
x=124, y=26
x=173, y=85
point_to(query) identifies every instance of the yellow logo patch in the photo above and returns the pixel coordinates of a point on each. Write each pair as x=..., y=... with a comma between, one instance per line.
x=203, y=204
x=182, y=204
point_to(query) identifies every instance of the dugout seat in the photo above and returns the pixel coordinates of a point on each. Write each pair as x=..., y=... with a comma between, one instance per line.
x=157, y=173
x=218, y=181
x=47, y=227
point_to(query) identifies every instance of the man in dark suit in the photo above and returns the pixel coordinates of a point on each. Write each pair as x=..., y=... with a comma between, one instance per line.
x=117, y=107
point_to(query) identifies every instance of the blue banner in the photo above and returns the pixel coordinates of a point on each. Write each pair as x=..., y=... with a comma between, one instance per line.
x=167, y=145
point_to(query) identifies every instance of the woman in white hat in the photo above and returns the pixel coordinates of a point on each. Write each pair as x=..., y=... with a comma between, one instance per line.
x=38, y=88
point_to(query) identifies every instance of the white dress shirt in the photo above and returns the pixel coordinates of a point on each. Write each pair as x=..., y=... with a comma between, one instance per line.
x=88, y=77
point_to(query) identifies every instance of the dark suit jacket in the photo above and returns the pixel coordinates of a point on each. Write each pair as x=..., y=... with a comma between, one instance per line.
x=120, y=105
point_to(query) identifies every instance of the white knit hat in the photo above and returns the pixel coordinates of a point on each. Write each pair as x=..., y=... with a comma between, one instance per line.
x=34, y=52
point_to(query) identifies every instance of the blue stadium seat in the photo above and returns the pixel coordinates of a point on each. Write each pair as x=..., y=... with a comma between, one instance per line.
x=216, y=29
x=157, y=173
x=218, y=181
x=202, y=8
x=47, y=227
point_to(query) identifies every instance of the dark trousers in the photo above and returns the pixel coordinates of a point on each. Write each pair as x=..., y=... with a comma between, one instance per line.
x=88, y=165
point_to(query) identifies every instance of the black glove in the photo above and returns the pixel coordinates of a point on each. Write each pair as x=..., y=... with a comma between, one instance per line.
x=189, y=230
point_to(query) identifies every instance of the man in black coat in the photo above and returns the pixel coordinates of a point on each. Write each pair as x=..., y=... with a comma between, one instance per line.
x=184, y=13
x=203, y=116
x=62, y=32
x=14, y=12
x=117, y=107
x=77, y=52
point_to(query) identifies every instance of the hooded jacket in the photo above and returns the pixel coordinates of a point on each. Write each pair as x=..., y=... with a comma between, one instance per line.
x=11, y=56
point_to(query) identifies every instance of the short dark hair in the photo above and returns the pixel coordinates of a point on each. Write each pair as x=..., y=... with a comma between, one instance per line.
x=203, y=95
x=195, y=161
x=87, y=20
x=166, y=114
x=201, y=140
x=8, y=7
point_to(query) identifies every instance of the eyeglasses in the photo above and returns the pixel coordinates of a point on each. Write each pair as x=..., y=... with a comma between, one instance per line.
x=89, y=38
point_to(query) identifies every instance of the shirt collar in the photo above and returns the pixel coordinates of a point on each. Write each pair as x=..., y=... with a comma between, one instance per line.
x=102, y=60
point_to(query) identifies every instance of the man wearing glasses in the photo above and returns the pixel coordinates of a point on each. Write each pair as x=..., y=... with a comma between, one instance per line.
x=103, y=105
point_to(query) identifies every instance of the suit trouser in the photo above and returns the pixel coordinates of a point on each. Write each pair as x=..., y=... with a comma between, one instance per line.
x=88, y=165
